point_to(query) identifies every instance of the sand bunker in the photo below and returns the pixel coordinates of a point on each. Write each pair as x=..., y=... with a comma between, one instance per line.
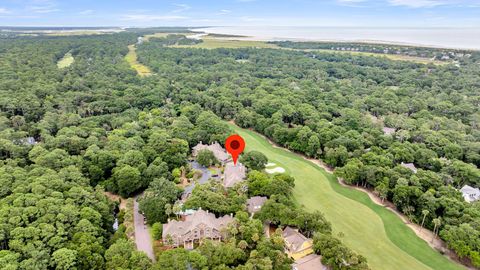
x=275, y=170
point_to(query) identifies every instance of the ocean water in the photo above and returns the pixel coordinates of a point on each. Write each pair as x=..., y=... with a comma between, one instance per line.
x=462, y=38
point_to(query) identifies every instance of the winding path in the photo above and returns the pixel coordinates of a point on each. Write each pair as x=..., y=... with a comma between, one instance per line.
x=142, y=235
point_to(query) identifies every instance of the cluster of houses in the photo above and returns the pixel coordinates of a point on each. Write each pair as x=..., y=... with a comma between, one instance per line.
x=197, y=225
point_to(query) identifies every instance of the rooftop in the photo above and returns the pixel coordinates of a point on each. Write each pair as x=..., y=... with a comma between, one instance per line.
x=309, y=262
x=233, y=174
x=216, y=149
x=294, y=239
x=254, y=204
x=410, y=166
x=178, y=228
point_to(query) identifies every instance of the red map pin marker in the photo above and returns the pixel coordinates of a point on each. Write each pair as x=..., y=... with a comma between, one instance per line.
x=235, y=145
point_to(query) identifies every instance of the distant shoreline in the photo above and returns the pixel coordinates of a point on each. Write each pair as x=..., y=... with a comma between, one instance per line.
x=231, y=31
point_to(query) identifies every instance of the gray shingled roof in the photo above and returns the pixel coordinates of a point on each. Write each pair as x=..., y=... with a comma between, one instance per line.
x=254, y=204
x=216, y=149
x=201, y=218
x=233, y=174
x=294, y=240
x=309, y=262
x=410, y=166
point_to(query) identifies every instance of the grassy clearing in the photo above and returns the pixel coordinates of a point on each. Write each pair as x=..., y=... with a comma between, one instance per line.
x=369, y=229
x=156, y=35
x=215, y=43
x=66, y=61
x=131, y=58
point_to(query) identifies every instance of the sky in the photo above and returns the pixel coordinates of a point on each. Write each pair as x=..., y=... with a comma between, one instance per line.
x=143, y=13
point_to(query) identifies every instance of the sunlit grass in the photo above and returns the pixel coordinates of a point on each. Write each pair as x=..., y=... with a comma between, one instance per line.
x=215, y=43
x=66, y=61
x=131, y=58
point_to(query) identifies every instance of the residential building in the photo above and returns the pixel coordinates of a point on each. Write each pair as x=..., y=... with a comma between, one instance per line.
x=216, y=149
x=309, y=262
x=254, y=204
x=297, y=245
x=195, y=228
x=470, y=194
x=409, y=166
x=388, y=131
x=233, y=174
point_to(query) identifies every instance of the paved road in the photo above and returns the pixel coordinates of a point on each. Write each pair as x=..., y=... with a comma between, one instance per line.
x=142, y=236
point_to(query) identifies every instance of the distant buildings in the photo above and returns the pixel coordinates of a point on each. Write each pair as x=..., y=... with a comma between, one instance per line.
x=296, y=244
x=196, y=227
x=409, y=166
x=233, y=174
x=310, y=262
x=26, y=141
x=388, y=131
x=470, y=194
x=216, y=149
x=254, y=204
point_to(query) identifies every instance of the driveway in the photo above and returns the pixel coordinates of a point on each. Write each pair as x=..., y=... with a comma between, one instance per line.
x=206, y=175
x=142, y=236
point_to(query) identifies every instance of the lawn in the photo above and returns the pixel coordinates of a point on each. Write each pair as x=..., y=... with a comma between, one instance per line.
x=369, y=229
x=215, y=43
x=131, y=58
x=66, y=61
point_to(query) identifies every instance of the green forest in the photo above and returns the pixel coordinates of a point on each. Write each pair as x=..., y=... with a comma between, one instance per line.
x=69, y=134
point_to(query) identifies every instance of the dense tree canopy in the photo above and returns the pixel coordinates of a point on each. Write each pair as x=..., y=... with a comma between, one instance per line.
x=66, y=135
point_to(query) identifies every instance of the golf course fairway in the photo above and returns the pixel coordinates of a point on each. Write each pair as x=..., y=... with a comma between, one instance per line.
x=368, y=228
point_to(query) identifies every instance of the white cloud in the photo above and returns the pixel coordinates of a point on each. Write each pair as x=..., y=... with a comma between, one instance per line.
x=417, y=3
x=224, y=11
x=181, y=8
x=4, y=11
x=42, y=6
x=151, y=18
x=86, y=12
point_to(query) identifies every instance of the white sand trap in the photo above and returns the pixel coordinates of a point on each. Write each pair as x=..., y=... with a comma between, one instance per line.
x=275, y=170
x=270, y=164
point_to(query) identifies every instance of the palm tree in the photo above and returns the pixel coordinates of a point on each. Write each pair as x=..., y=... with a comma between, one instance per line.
x=436, y=222
x=177, y=208
x=168, y=209
x=425, y=213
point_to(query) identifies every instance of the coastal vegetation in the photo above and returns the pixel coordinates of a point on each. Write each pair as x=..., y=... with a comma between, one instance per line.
x=67, y=135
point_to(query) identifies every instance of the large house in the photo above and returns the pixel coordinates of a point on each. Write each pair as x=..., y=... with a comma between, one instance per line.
x=216, y=149
x=233, y=174
x=196, y=227
x=310, y=262
x=470, y=194
x=254, y=204
x=296, y=244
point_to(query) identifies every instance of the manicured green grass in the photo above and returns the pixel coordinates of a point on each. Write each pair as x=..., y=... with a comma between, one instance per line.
x=369, y=229
x=66, y=61
x=131, y=58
